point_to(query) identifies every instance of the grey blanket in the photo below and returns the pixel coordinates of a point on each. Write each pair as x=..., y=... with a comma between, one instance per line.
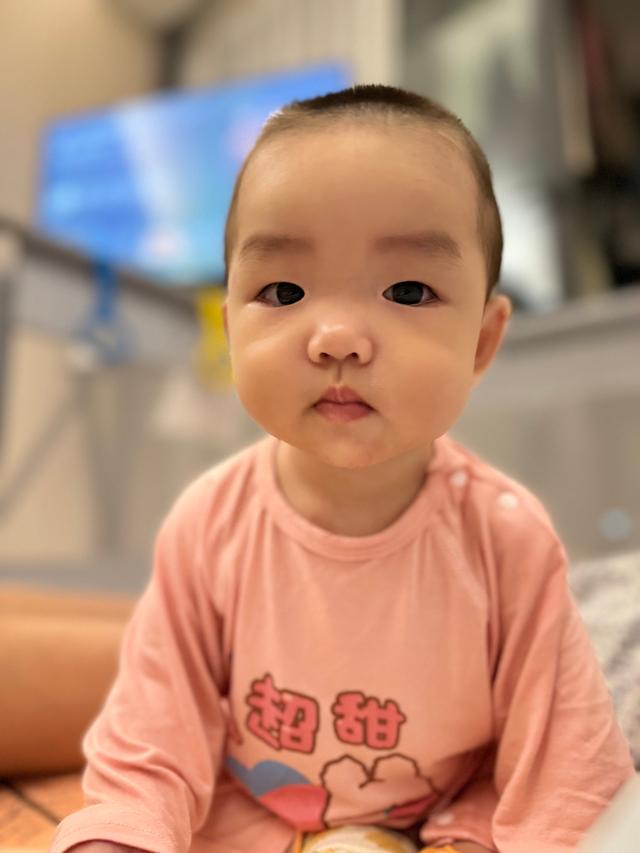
x=607, y=591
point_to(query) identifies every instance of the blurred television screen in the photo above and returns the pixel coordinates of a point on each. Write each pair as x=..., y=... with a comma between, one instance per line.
x=145, y=185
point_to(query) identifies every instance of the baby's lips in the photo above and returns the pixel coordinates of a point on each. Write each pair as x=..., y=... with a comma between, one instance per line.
x=342, y=394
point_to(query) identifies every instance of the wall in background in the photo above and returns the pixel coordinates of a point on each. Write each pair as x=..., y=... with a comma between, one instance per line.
x=58, y=58
x=235, y=39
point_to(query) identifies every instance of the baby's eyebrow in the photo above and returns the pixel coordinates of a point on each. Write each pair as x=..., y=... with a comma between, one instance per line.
x=434, y=243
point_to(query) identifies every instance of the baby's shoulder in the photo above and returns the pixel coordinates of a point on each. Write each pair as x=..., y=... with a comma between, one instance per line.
x=496, y=502
x=217, y=497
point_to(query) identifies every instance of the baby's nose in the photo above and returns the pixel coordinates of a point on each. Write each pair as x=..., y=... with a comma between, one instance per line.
x=339, y=342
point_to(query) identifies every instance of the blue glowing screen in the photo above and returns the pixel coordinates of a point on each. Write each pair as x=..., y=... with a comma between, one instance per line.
x=146, y=185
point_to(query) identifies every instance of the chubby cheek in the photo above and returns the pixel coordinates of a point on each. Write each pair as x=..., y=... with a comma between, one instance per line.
x=437, y=393
x=265, y=388
x=442, y=408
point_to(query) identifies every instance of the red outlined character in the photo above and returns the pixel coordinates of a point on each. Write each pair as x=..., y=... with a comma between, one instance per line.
x=282, y=719
x=361, y=720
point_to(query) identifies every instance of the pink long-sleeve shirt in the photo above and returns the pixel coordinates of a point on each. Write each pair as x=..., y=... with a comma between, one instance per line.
x=276, y=676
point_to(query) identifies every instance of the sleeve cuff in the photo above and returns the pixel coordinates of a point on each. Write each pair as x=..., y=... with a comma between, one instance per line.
x=113, y=823
x=468, y=830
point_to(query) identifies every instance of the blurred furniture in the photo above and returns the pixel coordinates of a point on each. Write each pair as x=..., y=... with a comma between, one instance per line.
x=58, y=657
x=110, y=445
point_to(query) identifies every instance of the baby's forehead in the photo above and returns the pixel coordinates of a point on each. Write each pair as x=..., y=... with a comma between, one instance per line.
x=387, y=176
x=421, y=147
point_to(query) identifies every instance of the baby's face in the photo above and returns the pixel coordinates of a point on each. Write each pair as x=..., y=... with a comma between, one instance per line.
x=339, y=315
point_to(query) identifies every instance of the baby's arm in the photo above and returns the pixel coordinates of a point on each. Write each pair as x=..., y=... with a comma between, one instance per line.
x=559, y=756
x=154, y=750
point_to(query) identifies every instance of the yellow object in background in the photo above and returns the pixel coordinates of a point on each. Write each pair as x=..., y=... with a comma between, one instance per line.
x=211, y=356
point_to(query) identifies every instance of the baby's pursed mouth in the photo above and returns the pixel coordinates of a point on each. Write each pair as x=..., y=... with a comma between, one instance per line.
x=342, y=394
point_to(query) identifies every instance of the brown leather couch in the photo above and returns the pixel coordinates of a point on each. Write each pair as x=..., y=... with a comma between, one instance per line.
x=58, y=658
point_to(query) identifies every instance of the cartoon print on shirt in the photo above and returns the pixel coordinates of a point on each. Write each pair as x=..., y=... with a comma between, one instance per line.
x=286, y=720
x=280, y=718
x=350, y=784
x=363, y=720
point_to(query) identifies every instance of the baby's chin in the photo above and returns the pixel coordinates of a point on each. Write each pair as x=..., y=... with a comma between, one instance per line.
x=336, y=456
x=352, y=453
x=347, y=459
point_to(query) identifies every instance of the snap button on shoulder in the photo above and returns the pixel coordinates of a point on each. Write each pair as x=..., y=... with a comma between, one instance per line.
x=508, y=500
x=459, y=478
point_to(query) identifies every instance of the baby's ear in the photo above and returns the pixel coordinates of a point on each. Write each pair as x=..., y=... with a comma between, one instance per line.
x=494, y=325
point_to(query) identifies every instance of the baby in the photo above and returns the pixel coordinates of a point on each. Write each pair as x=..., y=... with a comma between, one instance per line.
x=355, y=628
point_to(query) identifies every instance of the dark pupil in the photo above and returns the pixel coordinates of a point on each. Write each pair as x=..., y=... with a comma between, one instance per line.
x=405, y=290
x=288, y=293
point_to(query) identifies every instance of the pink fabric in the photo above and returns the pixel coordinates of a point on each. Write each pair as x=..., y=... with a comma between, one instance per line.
x=275, y=675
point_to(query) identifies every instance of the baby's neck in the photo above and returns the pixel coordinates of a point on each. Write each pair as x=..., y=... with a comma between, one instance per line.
x=347, y=502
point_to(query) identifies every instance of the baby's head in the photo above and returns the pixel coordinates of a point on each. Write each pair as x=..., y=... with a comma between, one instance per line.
x=362, y=247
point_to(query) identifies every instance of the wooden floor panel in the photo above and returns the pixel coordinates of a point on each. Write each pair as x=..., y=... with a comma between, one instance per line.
x=57, y=795
x=22, y=828
x=31, y=808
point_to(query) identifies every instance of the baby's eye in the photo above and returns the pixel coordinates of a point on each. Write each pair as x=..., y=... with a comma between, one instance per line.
x=405, y=292
x=287, y=292
x=409, y=293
